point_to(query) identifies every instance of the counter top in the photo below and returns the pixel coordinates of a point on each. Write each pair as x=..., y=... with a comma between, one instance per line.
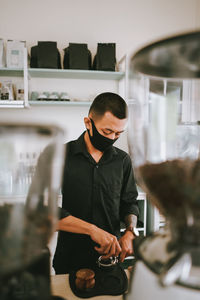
x=60, y=287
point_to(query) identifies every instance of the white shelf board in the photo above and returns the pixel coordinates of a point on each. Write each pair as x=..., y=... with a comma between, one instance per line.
x=140, y=228
x=75, y=74
x=11, y=103
x=59, y=103
x=16, y=72
x=141, y=197
x=141, y=194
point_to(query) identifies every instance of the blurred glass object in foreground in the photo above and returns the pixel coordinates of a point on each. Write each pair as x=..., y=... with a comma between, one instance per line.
x=164, y=143
x=31, y=161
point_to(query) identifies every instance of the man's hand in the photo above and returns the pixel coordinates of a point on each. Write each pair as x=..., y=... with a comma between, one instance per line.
x=126, y=243
x=108, y=243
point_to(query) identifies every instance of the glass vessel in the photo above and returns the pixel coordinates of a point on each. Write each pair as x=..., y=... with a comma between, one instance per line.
x=31, y=161
x=164, y=143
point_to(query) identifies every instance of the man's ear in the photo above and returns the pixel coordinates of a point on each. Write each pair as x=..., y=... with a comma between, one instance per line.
x=87, y=122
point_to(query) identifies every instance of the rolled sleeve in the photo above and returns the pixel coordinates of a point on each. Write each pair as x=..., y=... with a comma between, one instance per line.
x=129, y=194
x=62, y=213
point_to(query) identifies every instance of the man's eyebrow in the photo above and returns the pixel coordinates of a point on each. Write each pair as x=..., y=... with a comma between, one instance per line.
x=114, y=131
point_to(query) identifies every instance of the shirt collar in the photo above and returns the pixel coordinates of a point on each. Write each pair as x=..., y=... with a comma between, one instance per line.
x=79, y=145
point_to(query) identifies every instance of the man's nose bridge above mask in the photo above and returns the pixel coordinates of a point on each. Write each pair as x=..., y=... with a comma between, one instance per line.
x=113, y=135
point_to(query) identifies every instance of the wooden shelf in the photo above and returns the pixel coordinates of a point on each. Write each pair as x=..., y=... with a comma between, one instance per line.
x=15, y=72
x=56, y=74
x=59, y=103
x=75, y=74
x=11, y=103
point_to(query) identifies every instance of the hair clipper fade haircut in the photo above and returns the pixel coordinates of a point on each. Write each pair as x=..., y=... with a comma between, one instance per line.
x=108, y=102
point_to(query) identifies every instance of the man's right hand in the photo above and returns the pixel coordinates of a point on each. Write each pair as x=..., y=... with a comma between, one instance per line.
x=108, y=243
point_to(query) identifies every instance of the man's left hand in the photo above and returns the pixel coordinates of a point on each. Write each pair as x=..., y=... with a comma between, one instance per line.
x=126, y=243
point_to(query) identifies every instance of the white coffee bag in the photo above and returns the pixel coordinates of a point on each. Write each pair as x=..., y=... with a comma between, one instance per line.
x=15, y=54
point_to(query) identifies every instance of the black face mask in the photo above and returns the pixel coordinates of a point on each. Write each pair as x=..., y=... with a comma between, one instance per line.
x=99, y=141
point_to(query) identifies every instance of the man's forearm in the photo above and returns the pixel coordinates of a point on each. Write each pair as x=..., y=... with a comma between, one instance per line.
x=130, y=221
x=126, y=241
x=75, y=225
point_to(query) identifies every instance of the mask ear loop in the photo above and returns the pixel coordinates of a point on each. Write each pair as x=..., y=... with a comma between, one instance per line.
x=92, y=122
x=88, y=129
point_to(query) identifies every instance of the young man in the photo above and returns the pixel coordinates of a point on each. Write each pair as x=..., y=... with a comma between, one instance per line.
x=98, y=191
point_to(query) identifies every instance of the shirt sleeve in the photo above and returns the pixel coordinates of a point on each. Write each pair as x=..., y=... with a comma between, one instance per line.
x=129, y=194
x=62, y=213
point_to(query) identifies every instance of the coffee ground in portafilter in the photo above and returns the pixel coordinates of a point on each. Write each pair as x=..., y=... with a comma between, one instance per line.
x=174, y=187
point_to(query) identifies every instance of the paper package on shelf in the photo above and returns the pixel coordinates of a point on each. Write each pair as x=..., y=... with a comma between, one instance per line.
x=15, y=54
x=2, y=54
x=7, y=90
x=19, y=91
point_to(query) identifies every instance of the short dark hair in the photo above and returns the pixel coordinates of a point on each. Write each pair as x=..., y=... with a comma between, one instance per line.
x=111, y=102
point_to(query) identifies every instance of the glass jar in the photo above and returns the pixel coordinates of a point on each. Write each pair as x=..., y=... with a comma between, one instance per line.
x=31, y=161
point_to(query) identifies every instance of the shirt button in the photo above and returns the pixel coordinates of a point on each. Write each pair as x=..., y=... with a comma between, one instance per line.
x=97, y=166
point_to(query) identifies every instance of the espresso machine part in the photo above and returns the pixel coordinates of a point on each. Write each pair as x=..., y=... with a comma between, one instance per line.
x=31, y=162
x=164, y=143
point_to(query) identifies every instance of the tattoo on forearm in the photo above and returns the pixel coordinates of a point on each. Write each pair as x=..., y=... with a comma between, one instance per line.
x=130, y=220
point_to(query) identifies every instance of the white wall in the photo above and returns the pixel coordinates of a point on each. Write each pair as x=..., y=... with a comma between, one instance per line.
x=128, y=23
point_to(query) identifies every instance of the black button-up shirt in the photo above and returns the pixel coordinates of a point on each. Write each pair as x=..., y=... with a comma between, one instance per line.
x=100, y=193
